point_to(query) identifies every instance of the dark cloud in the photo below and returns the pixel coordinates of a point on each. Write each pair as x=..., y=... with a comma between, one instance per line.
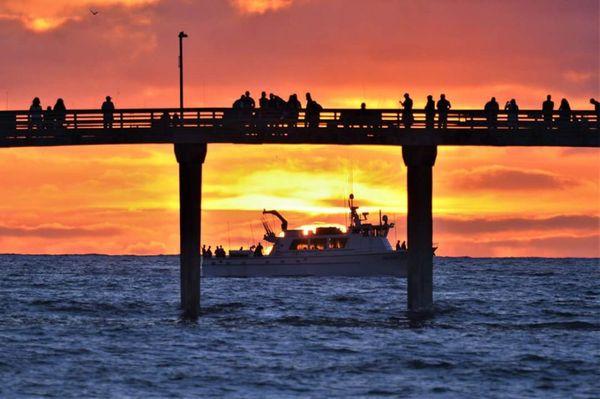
x=57, y=231
x=448, y=225
x=500, y=178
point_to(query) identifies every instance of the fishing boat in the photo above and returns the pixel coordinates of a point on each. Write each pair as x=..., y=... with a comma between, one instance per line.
x=361, y=250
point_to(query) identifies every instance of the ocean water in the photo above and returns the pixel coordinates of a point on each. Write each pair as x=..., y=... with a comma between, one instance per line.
x=100, y=326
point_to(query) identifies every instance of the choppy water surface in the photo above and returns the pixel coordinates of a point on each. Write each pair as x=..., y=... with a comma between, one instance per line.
x=90, y=326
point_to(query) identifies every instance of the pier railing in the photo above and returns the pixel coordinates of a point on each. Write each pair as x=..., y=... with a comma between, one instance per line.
x=22, y=122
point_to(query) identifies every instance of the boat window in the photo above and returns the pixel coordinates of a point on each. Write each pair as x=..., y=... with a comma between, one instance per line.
x=299, y=245
x=337, y=243
x=318, y=244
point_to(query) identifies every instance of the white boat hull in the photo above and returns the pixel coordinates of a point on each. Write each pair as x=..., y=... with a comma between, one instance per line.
x=389, y=263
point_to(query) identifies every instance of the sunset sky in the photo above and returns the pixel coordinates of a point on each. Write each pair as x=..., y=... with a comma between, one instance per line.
x=124, y=199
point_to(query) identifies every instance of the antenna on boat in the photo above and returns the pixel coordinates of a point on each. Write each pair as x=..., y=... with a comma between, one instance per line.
x=252, y=233
x=228, y=236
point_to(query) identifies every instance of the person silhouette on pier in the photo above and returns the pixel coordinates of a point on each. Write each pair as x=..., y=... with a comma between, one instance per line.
x=60, y=113
x=176, y=120
x=547, y=111
x=209, y=253
x=108, y=110
x=239, y=103
x=512, y=112
x=35, y=114
x=165, y=120
x=263, y=102
x=48, y=118
x=292, y=110
x=407, y=112
x=248, y=101
x=398, y=245
x=491, y=113
x=429, y=113
x=203, y=251
x=313, y=111
x=564, y=113
x=403, y=246
x=443, y=106
x=596, y=105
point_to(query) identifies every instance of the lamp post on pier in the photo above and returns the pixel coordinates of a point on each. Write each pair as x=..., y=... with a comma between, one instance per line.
x=181, y=36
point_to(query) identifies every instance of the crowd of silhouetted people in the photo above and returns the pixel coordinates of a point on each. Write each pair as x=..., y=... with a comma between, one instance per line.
x=273, y=110
x=219, y=252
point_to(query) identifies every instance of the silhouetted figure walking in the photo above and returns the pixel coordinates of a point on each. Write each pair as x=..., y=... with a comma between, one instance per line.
x=429, y=112
x=35, y=114
x=407, y=112
x=443, y=106
x=108, y=110
x=313, y=111
x=596, y=105
x=60, y=113
x=491, y=113
x=564, y=113
x=547, y=111
x=512, y=112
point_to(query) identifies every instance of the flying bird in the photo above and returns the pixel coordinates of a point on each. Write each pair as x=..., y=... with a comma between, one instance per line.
x=94, y=12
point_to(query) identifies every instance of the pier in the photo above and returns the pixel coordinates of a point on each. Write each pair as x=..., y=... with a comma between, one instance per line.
x=195, y=128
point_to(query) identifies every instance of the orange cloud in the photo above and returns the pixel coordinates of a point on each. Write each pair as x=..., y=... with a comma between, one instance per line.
x=260, y=6
x=41, y=15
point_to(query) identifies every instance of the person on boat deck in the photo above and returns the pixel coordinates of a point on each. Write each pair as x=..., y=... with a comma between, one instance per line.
x=259, y=250
x=398, y=245
x=203, y=250
x=403, y=246
x=209, y=252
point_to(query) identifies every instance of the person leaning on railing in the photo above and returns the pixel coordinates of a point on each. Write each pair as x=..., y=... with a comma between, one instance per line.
x=108, y=109
x=564, y=113
x=60, y=113
x=35, y=114
x=429, y=113
x=512, y=112
x=492, y=108
x=596, y=104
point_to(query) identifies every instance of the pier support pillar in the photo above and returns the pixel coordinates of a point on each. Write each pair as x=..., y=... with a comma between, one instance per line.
x=419, y=161
x=190, y=158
